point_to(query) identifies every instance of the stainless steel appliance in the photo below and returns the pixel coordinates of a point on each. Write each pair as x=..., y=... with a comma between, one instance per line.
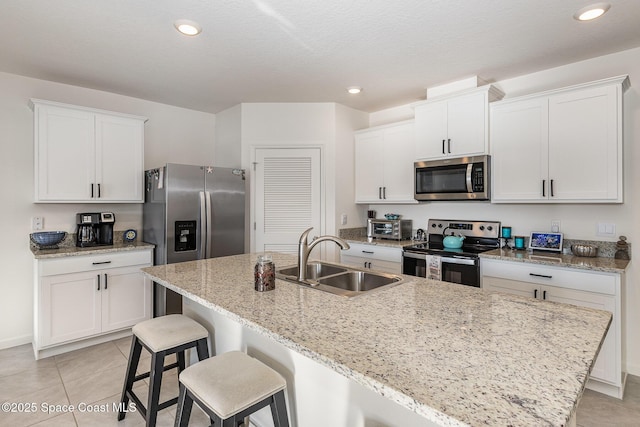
x=392, y=229
x=94, y=229
x=433, y=260
x=190, y=213
x=462, y=178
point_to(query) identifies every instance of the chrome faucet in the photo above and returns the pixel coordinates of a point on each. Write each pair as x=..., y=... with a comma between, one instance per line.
x=305, y=248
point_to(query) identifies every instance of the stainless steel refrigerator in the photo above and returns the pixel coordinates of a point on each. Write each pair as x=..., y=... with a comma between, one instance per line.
x=191, y=213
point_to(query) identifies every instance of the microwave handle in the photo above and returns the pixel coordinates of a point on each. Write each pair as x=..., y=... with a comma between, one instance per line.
x=469, y=173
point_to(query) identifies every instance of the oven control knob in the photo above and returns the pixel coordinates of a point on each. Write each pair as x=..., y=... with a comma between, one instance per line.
x=439, y=225
x=481, y=227
x=489, y=228
x=433, y=226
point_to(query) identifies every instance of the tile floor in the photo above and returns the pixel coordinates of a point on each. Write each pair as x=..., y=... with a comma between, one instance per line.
x=92, y=378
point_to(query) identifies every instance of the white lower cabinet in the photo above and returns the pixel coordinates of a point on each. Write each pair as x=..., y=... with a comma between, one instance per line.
x=373, y=257
x=599, y=290
x=87, y=297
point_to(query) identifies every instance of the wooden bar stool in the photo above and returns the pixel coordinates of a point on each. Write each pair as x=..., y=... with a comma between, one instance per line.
x=230, y=387
x=161, y=336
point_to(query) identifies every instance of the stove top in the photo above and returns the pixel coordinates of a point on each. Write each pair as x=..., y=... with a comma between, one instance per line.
x=480, y=236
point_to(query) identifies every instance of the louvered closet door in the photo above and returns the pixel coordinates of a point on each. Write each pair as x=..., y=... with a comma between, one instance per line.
x=287, y=197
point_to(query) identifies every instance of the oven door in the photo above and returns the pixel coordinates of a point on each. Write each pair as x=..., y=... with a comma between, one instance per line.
x=462, y=270
x=414, y=264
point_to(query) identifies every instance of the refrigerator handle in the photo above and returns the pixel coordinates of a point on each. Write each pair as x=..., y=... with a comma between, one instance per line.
x=203, y=227
x=209, y=233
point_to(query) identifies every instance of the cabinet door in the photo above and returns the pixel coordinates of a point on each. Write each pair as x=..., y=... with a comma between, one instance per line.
x=514, y=287
x=605, y=366
x=69, y=307
x=584, y=148
x=369, y=164
x=467, y=125
x=126, y=298
x=119, y=159
x=64, y=154
x=431, y=130
x=398, y=163
x=519, y=150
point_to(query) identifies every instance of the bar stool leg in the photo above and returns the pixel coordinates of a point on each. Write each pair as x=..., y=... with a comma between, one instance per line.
x=183, y=411
x=203, y=349
x=155, y=381
x=134, y=359
x=279, y=410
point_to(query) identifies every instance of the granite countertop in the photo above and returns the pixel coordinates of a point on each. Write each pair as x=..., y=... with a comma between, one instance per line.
x=65, y=251
x=456, y=355
x=610, y=265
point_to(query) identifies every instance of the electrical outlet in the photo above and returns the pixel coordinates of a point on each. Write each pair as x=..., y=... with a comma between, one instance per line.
x=343, y=219
x=37, y=223
x=555, y=226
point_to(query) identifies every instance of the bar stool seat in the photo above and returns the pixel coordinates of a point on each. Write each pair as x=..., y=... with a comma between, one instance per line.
x=161, y=336
x=230, y=387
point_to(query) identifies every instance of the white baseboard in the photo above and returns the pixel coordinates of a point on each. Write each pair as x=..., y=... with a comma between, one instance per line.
x=14, y=342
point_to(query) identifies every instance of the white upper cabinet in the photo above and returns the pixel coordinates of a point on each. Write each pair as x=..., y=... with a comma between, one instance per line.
x=560, y=146
x=454, y=126
x=384, y=164
x=87, y=155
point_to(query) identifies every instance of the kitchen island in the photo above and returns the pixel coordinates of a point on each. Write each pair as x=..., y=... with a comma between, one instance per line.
x=421, y=353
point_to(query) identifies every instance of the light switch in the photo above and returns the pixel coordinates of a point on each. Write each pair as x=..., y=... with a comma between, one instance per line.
x=605, y=229
x=343, y=219
x=37, y=223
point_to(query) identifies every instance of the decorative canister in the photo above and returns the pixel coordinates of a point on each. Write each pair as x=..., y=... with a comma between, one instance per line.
x=265, y=273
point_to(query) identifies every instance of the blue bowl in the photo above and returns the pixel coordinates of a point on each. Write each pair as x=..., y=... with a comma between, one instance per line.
x=392, y=216
x=48, y=238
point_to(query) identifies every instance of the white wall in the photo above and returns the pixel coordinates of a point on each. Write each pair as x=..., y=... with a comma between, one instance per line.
x=171, y=134
x=228, y=146
x=577, y=221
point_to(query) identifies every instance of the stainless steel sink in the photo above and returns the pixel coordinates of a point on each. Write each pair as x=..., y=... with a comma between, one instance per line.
x=314, y=270
x=339, y=280
x=359, y=281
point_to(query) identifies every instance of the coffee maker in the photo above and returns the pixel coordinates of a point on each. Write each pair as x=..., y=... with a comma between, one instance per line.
x=94, y=229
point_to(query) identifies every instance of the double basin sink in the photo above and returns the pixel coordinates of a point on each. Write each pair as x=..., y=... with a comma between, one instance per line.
x=338, y=279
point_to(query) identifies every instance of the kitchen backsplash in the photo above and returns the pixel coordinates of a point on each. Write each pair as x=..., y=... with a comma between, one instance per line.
x=70, y=240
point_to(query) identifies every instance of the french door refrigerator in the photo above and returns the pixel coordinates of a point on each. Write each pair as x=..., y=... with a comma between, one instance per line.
x=191, y=213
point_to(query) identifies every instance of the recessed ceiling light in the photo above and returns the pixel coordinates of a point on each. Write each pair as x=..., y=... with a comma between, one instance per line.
x=354, y=90
x=188, y=28
x=591, y=12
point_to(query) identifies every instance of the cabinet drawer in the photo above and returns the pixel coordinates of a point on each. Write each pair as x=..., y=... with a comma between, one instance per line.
x=372, y=264
x=374, y=252
x=74, y=264
x=604, y=283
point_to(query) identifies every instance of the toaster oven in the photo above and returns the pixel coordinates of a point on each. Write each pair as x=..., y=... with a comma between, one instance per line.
x=392, y=229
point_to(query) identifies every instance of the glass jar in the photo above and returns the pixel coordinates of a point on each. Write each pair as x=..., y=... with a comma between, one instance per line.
x=265, y=273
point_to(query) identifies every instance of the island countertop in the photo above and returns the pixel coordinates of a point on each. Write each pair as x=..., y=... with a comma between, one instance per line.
x=454, y=354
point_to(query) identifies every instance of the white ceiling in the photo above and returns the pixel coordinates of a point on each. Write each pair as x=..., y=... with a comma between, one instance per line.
x=299, y=50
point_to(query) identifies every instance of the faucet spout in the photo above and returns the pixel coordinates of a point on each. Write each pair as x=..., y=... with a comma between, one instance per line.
x=304, y=249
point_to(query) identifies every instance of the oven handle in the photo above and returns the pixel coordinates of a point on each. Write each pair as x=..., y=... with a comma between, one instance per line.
x=469, y=183
x=463, y=261
x=414, y=255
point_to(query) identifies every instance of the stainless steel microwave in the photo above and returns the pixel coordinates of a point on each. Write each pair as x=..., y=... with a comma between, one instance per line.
x=461, y=178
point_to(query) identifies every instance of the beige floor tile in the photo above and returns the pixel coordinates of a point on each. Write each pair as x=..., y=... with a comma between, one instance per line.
x=97, y=386
x=29, y=381
x=64, y=420
x=47, y=396
x=124, y=345
x=19, y=359
x=104, y=358
x=108, y=415
x=86, y=352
